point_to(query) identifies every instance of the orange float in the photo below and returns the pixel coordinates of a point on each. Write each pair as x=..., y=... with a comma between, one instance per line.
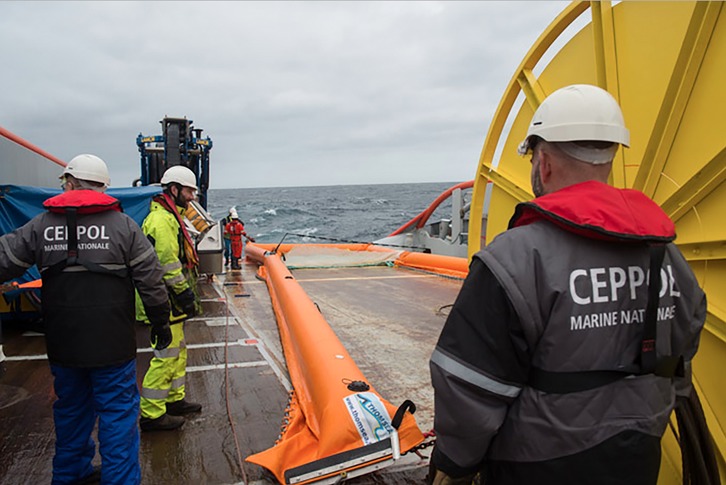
x=433, y=263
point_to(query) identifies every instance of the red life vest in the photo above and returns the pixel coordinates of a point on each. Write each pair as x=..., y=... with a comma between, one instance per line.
x=84, y=201
x=599, y=211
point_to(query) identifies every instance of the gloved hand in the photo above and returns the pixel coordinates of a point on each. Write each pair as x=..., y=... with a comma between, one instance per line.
x=437, y=477
x=185, y=301
x=160, y=336
x=251, y=239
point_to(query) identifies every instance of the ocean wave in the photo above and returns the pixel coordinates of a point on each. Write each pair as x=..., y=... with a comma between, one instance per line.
x=369, y=200
x=307, y=231
x=352, y=212
x=291, y=212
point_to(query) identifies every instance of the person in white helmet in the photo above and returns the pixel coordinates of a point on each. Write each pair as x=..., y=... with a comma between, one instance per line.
x=227, y=236
x=548, y=369
x=91, y=257
x=163, y=392
x=236, y=230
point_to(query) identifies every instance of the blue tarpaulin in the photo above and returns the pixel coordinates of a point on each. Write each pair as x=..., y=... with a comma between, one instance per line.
x=19, y=204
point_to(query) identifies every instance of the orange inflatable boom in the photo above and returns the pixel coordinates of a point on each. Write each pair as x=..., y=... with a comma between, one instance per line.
x=336, y=426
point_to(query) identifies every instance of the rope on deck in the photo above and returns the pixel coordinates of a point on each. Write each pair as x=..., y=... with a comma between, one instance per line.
x=240, y=461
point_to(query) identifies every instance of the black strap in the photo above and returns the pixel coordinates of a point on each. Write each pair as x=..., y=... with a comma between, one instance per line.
x=648, y=358
x=407, y=405
x=72, y=233
x=566, y=382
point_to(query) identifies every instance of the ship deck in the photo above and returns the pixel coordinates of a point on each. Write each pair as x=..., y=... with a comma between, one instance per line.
x=388, y=319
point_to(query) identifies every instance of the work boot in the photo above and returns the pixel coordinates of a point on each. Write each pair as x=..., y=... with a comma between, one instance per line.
x=163, y=423
x=179, y=408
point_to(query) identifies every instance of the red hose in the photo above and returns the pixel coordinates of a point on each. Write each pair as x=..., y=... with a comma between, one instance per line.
x=423, y=217
x=26, y=144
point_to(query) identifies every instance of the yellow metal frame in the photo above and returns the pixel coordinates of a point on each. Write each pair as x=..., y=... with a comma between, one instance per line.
x=664, y=62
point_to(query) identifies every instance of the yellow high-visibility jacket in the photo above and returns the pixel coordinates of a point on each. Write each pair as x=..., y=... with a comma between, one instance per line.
x=162, y=229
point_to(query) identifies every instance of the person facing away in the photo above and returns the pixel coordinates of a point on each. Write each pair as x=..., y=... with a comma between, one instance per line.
x=236, y=230
x=91, y=256
x=163, y=391
x=226, y=236
x=544, y=371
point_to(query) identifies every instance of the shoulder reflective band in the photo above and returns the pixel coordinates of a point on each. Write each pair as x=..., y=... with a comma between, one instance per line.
x=473, y=377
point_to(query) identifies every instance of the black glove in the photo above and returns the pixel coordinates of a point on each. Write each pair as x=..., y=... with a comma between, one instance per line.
x=160, y=336
x=251, y=239
x=185, y=301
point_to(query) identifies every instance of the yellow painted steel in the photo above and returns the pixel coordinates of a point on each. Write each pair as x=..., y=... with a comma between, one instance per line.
x=665, y=62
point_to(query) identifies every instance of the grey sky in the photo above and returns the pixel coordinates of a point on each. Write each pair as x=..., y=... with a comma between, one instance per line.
x=291, y=93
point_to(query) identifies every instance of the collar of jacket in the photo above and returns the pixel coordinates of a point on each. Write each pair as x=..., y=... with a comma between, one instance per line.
x=159, y=202
x=85, y=202
x=598, y=211
x=156, y=206
x=165, y=201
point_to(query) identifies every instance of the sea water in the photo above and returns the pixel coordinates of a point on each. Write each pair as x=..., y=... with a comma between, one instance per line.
x=328, y=214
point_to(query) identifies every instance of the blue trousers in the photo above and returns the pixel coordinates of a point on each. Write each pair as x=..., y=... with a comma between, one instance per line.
x=227, y=249
x=109, y=394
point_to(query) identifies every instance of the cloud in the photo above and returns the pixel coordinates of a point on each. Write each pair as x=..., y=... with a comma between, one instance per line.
x=291, y=93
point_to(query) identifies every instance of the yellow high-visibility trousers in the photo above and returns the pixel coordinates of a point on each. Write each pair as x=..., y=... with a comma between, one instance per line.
x=164, y=381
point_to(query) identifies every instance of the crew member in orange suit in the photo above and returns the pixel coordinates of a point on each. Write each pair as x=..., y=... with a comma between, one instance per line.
x=236, y=229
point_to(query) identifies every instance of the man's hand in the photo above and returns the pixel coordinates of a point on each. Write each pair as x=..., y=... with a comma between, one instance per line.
x=160, y=336
x=251, y=239
x=441, y=478
x=437, y=477
x=185, y=300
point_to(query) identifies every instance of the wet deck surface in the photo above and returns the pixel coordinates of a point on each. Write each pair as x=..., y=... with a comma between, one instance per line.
x=388, y=319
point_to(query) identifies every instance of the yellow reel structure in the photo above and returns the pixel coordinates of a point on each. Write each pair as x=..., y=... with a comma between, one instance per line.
x=665, y=62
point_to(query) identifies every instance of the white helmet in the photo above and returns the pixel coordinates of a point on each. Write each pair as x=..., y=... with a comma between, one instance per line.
x=88, y=167
x=580, y=112
x=233, y=213
x=181, y=175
